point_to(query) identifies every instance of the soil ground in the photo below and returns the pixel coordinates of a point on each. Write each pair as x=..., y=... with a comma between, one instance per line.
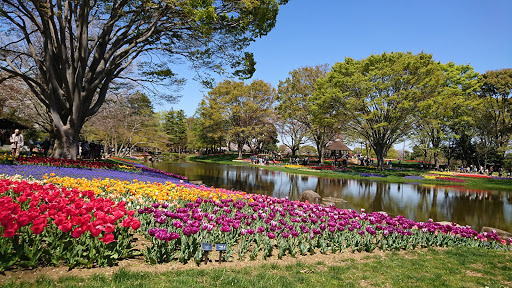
x=139, y=265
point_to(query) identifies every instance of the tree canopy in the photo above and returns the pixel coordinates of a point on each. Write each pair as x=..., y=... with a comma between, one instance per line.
x=379, y=95
x=244, y=111
x=301, y=116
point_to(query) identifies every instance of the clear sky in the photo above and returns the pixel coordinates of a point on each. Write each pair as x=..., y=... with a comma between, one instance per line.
x=312, y=32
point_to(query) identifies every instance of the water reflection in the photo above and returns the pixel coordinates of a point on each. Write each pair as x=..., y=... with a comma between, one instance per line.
x=419, y=202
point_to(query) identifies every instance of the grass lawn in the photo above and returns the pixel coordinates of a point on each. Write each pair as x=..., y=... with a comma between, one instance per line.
x=463, y=267
x=393, y=176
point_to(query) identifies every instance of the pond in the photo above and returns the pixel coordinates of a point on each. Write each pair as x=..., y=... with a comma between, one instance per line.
x=418, y=202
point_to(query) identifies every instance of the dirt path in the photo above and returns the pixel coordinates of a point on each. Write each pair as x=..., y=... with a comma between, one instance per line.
x=139, y=265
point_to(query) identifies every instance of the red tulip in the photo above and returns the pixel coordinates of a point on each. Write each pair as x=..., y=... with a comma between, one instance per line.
x=39, y=224
x=107, y=238
x=135, y=224
x=65, y=227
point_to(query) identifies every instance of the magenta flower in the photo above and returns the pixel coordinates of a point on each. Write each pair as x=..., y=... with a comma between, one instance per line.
x=225, y=228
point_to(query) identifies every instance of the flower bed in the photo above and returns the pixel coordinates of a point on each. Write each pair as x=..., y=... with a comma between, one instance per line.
x=331, y=168
x=293, y=166
x=144, y=168
x=472, y=175
x=176, y=218
x=451, y=179
x=39, y=172
x=143, y=192
x=442, y=173
x=36, y=160
x=242, y=160
x=290, y=227
x=371, y=175
x=44, y=224
x=501, y=178
x=413, y=177
x=125, y=160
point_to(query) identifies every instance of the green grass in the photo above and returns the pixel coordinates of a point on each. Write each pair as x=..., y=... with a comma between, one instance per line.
x=420, y=268
x=393, y=176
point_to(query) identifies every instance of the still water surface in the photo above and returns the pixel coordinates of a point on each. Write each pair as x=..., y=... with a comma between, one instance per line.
x=477, y=208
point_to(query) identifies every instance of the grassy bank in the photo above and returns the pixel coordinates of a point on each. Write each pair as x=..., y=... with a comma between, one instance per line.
x=392, y=176
x=418, y=268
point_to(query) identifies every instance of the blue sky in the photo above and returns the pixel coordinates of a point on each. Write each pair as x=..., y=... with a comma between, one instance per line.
x=310, y=32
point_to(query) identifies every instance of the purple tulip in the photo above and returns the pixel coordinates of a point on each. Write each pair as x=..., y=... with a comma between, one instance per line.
x=225, y=228
x=174, y=235
x=153, y=231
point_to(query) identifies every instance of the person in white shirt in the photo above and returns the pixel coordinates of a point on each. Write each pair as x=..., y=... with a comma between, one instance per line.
x=16, y=142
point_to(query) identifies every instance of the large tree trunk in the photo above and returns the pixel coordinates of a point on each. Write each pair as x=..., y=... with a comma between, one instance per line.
x=294, y=151
x=380, y=160
x=320, y=151
x=66, y=142
x=240, y=149
x=380, y=151
x=436, y=159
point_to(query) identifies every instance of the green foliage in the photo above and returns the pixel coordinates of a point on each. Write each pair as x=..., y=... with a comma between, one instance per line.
x=449, y=111
x=140, y=104
x=307, y=150
x=239, y=113
x=140, y=125
x=301, y=115
x=493, y=116
x=380, y=95
x=175, y=126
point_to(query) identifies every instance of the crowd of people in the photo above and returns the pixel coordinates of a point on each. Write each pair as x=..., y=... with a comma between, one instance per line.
x=90, y=150
x=473, y=169
x=17, y=142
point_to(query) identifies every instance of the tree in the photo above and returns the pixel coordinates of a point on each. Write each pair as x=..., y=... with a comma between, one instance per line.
x=213, y=125
x=69, y=53
x=175, y=127
x=307, y=150
x=139, y=125
x=246, y=110
x=380, y=95
x=298, y=110
x=266, y=139
x=193, y=133
x=291, y=132
x=495, y=121
x=450, y=107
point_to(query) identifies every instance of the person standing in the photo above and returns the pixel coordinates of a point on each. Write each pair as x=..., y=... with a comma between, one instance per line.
x=16, y=143
x=45, y=146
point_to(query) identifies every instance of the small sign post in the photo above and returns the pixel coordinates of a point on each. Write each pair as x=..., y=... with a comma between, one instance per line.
x=221, y=247
x=206, y=247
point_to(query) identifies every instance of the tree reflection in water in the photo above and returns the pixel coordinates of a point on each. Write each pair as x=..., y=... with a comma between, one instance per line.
x=418, y=202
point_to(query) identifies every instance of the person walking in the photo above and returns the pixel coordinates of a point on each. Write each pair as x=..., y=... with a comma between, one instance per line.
x=17, y=142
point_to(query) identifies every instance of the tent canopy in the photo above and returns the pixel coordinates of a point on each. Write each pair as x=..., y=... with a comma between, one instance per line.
x=337, y=145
